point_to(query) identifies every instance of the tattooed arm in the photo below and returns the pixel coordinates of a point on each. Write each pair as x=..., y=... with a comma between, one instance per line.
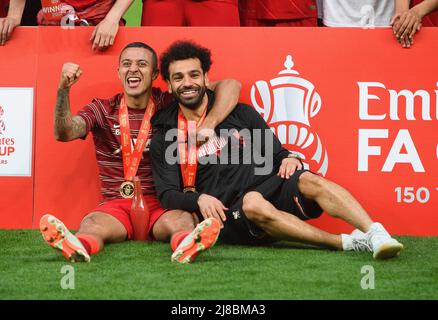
x=66, y=127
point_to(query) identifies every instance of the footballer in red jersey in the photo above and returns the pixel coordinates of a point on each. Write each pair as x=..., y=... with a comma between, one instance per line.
x=105, y=15
x=110, y=221
x=410, y=16
x=278, y=13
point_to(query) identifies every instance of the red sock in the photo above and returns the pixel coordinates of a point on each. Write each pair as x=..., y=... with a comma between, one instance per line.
x=177, y=238
x=90, y=243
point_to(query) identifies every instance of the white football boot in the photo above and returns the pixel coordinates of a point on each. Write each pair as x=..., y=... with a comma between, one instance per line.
x=383, y=245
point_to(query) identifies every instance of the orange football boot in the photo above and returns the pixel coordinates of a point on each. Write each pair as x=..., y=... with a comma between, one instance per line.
x=59, y=237
x=204, y=236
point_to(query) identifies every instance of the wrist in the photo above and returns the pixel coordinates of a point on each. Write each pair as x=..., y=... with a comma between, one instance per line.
x=199, y=200
x=295, y=155
x=113, y=17
x=418, y=10
x=64, y=90
x=15, y=18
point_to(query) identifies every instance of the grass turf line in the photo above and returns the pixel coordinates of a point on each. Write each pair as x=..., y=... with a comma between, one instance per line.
x=30, y=269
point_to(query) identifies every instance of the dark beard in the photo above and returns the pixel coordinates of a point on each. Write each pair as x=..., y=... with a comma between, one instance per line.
x=190, y=104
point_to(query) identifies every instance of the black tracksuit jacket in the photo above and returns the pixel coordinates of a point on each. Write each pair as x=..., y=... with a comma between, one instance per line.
x=226, y=182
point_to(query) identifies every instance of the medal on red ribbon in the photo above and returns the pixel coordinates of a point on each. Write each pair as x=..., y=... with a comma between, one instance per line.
x=188, y=150
x=131, y=157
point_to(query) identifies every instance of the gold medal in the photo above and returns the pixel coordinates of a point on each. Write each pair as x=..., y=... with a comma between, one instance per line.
x=127, y=189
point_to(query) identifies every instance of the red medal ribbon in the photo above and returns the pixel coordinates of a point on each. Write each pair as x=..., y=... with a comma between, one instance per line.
x=131, y=158
x=187, y=149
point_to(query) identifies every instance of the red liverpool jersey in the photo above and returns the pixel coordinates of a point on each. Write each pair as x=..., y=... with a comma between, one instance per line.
x=102, y=119
x=277, y=9
x=81, y=4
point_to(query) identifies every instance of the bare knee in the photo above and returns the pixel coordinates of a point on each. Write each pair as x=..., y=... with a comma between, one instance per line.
x=257, y=209
x=103, y=226
x=312, y=185
x=178, y=220
x=90, y=224
x=171, y=222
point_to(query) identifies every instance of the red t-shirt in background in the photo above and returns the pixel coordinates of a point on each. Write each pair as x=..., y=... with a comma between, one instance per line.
x=93, y=11
x=190, y=13
x=79, y=4
x=277, y=9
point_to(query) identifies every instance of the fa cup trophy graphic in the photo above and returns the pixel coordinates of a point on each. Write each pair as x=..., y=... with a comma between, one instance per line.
x=287, y=103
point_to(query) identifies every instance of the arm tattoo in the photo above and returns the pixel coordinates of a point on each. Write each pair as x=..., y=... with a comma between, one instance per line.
x=67, y=127
x=79, y=128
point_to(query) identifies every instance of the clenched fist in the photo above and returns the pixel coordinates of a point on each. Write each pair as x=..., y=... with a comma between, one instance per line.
x=70, y=74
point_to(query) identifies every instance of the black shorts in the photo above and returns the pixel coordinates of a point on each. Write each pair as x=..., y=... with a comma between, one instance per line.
x=283, y=194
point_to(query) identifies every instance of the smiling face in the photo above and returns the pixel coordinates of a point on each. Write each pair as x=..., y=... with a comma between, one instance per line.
x=187, y=82
x=137, y=71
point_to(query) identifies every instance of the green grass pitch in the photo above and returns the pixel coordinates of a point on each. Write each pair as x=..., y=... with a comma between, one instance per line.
x=30, y=269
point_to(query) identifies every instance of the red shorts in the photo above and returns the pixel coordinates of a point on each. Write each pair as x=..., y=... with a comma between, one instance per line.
x=190, y=13
x=306, y=22
x=120, y=209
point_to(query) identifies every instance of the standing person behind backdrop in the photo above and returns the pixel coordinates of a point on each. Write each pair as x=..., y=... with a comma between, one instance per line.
x=410, y=16
x=212, y=13
x=10, y=17
x=357, y=13
x=430, y=7
x=105, y=15
x=278, y=13
x=14, y=13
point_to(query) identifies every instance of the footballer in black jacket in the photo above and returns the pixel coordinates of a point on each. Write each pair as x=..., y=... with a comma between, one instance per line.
x=244, y=177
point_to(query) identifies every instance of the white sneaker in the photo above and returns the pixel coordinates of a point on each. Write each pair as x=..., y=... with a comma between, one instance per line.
x=382, y=244
x=356, y=241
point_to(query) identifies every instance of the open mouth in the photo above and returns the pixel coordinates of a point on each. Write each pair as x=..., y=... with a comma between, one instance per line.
x=133, y=82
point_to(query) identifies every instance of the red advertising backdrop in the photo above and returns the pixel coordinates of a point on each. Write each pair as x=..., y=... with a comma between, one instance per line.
x=362, y=110
x=18, y=68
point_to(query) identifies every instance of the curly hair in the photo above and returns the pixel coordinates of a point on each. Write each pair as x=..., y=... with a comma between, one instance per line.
x=182, y=50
